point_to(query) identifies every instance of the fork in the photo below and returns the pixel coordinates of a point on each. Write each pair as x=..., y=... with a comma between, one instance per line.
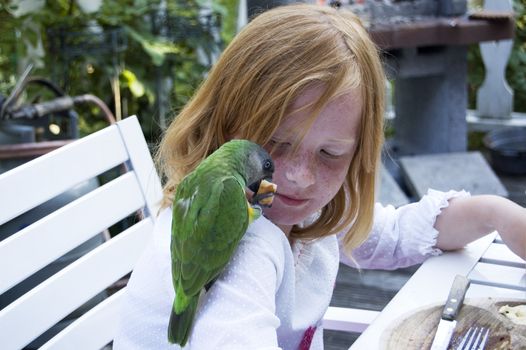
x=474, y=339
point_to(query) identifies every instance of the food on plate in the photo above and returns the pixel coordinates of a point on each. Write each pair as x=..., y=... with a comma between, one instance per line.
x=515, y=313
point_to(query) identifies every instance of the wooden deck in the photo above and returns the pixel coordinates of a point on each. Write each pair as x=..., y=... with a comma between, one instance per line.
x=373, y=289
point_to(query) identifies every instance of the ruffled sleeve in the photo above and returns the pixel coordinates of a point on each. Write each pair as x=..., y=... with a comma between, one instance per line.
x=401, y=237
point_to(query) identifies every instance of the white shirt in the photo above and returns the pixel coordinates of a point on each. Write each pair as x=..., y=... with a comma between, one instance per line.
x=271, y=295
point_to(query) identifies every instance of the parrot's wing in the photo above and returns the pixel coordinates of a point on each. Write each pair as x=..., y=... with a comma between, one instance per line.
x=206, y=233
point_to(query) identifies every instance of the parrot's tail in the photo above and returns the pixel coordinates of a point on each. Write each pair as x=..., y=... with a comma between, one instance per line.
x=180, y=325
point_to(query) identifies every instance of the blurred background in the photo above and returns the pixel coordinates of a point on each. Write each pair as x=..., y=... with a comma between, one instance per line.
x=143, y=57
x=147, y=57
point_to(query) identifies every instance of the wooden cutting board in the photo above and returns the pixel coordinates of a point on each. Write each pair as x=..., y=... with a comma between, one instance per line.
x=417, y=330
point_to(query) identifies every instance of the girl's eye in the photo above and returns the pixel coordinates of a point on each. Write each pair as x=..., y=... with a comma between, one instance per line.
x=279, y=144
x=329, y=154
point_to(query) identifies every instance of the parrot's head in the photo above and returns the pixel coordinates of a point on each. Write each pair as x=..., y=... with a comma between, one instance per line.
x=259, y=169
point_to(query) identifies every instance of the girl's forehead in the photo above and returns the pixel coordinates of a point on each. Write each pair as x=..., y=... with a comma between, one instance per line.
x=339, y=119
x=347, y=104
x=307, y=99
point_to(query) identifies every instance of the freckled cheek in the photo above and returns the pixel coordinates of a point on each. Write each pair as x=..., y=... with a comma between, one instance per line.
x=329, y=182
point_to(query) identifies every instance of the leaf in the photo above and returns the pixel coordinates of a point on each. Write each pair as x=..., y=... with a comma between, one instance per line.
x=135, y=86
x=157, y=49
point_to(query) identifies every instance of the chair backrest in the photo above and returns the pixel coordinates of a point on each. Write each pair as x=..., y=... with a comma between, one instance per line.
x=66, y=237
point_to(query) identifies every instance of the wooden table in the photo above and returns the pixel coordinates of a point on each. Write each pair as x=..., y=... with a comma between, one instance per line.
x=493, y=269
x=434, y=31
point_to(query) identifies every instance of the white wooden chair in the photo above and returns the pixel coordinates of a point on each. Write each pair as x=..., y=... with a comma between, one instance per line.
x=46, y=240
x=42, y=242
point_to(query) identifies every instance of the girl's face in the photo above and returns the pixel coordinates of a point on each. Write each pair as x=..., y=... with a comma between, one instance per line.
x=310, y=177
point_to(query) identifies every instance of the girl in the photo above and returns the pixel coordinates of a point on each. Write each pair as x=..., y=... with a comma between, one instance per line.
x=307, y=82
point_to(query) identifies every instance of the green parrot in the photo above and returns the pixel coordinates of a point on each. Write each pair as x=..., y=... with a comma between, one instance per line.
x=210, y=216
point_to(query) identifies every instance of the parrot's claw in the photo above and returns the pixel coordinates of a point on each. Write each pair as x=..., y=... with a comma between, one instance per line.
x=257, y=209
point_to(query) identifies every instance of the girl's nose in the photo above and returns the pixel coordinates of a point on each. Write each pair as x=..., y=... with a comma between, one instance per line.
x=301, y=173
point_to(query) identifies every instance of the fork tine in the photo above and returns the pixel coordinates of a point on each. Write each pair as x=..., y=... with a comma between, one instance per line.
x=484, y=340
x=474, y=339
x=466, y=338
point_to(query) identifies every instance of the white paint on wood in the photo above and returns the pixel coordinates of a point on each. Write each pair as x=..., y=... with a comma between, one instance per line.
x=348, y=319
x=71, y=287
x=102, y=320
x=35, y=182
x=40, y=243
x=48, y=239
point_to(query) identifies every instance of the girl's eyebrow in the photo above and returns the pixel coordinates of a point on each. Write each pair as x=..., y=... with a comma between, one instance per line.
x=291, y=135
x=343, y=140
x=285, y=134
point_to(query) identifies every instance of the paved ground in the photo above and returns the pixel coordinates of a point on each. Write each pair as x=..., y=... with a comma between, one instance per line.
x=374, y=289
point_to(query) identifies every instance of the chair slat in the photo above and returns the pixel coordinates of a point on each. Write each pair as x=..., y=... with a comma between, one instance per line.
x=63, y=169
x=348, y=319
x=65, y=291
x=141, y=162
x=476, y=290
x=499, y=276
x=22, y=254
x=499, y=253
x=92, y=330
x=42, y=242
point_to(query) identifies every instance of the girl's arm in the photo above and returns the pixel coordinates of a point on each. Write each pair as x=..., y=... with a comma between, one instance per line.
x=469, y=218
x=403, y=236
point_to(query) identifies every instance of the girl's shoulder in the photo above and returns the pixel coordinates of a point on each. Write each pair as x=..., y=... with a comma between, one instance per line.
x=266, y=237
x=261, y=236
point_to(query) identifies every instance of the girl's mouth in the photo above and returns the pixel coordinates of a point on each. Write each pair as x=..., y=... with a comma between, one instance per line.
x=290, y=201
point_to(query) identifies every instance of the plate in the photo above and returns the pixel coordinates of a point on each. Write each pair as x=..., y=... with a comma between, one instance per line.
x=417, y=329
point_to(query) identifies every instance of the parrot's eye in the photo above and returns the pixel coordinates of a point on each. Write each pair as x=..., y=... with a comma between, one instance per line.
x=267, y=165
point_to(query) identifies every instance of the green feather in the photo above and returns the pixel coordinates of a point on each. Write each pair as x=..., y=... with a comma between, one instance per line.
x=180, y=325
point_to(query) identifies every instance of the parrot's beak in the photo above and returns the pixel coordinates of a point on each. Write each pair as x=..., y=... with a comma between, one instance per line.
x=254, y=187
x=264, y=192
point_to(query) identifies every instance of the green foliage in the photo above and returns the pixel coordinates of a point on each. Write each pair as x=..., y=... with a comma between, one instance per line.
x=516, y=69
x=229, y=19
x=155, y=63
x=8, y=51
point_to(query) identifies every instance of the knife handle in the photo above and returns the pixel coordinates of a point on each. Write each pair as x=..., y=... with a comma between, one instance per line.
x=455, y=297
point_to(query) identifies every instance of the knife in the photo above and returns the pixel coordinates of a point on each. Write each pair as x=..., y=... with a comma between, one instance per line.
x=449, y=314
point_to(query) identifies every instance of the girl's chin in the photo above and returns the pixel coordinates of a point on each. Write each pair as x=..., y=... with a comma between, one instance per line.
x=278, y=217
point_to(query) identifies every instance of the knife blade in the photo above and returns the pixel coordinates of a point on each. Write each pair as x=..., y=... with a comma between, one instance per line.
x=449, y=313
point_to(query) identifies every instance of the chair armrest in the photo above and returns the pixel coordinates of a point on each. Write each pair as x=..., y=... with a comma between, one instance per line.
x=348, y=319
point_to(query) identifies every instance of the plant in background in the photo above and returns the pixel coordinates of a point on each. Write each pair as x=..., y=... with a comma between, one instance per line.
x=516, y=69
x=163, y=51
